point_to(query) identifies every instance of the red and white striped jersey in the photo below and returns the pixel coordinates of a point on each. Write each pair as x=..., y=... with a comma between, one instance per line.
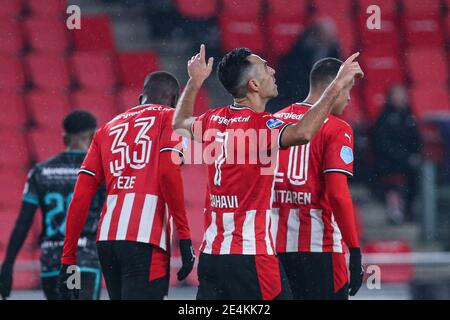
x=242, y=146
x=302, y=218
x=125, y=153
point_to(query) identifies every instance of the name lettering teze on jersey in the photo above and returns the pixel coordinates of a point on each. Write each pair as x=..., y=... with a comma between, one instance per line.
x=126, y=153
x=302, y=218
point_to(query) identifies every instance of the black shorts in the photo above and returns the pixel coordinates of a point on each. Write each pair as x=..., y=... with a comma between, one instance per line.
x=91, y=281
x=316, y=275
x=247, y=277
x=134, y=270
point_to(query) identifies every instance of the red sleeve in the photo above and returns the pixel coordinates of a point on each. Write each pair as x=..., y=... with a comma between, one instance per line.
x=338, y=154
x=342, y=206
x=170, y=141
x=270, y=130
x=92, y=164
x=171, y=186
x=84, y=191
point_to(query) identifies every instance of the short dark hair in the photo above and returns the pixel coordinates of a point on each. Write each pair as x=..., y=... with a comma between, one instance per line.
x=231, y=69
x=79, y=121
x=161, y=87
x=324, y=71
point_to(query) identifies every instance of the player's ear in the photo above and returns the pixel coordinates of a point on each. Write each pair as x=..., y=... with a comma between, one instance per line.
x=253, y=85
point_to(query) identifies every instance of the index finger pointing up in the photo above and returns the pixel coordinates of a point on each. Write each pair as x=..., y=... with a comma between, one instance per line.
x=351, y=58
x=202, y=52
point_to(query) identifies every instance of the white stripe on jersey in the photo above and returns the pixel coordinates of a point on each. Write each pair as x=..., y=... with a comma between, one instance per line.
x=269, y=247
x=163, y=240
x=293, y=229
x=147, y=217
x=210, y=233
x=111, y=202
x=125, y=214
x=228, y=227
x=274, y=215
x=317, y=229
x=337, y=236
x=248, y=233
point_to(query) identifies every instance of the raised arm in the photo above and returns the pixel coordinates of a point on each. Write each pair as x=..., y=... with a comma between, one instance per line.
x=303, y=131
x=198, y=71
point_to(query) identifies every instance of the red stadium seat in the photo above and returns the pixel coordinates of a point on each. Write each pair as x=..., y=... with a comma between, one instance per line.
x=241, y=32
x=197, y=9
x=128, y=98
x=338, y=8
x=47, y=35
x=46, y=143
x=417, y=8
x=48, y=108
x=14, y=150
x=14, y=115
x=242, y=9
x=94, y=70
x=103, y=106
x=430, y=101
x=12, y=76
x=49, y=71
x=95, y=34
x=423, y=32
x=396, y=273
x=427, y=66
x=11, y=39
x=283, y=32
x=48, y=8
x=381, y=70
x=11, y=9
x=134, y=67
x=12, y=190
x=388, y=8
x=386, y=39
x=288, y=8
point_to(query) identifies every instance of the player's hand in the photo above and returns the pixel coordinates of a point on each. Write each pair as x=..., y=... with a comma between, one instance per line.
x=187, y=259
x=349, y=71
x=198, y=69
x=66, y=293
x=356, y=271
x=6, y=280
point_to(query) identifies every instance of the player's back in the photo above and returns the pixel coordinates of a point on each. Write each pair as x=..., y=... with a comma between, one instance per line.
x=50, y=186
x=125, y=152
x=302, y=218
x=238, y=145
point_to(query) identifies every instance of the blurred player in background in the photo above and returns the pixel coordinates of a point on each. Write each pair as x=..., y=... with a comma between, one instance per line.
x=133, y=154
x=312, y=210
x=238, y=260
x=50, y=187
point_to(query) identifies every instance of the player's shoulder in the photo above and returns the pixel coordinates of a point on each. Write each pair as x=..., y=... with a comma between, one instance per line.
x=336, y=124
x=55, y=160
